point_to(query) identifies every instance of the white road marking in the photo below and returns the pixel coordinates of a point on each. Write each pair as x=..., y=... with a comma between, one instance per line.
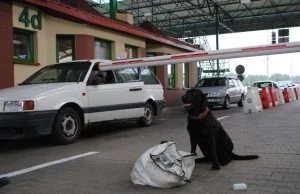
x=222, y=118
x=26, y=170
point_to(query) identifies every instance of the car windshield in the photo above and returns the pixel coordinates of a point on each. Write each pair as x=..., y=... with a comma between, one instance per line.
x=212, y=82
x=262, y=84
x=57, y=73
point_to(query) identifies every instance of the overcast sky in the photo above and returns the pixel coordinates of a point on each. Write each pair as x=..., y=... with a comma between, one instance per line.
x=283, y=63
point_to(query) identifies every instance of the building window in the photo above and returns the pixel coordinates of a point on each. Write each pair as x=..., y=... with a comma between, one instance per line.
x=185, y=73
x=152, y=68
x=130, y=52
x=171, y=75
x=23, y=46
x=102, y=49
x=65, y=48
x=199, y=71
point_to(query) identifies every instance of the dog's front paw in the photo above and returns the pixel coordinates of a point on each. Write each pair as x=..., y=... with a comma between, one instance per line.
x=215, y=167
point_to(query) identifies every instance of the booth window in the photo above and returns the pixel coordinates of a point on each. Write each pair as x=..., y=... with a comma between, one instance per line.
x=23, y=46
x=131, y=52
x=102, y=49
x=171, y=75
x=152, y=68
x=185, y=72
x=65, y=48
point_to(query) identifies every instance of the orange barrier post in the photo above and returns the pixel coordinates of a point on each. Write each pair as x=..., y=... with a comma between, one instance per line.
x=286, y=96
x=265, y=98
x=297, y=94
x=274, y=98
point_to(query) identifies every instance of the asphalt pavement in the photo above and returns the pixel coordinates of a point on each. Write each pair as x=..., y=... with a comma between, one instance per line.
x=103, y=158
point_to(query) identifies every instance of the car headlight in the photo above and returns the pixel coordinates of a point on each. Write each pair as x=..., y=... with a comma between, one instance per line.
x=15, y=106
x=213, y=95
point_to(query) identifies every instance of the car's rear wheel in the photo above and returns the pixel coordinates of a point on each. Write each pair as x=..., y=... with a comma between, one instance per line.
x=67, y=126
x=241, y=102
x=148, y=118
x=226, y=104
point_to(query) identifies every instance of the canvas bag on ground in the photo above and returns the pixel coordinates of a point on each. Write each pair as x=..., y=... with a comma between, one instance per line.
x=163, y=166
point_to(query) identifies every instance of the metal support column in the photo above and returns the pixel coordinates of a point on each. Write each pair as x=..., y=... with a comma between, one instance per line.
x=217, y=38
x=113, y=8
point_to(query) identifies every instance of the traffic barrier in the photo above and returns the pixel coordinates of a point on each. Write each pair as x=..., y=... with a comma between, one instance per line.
x=293, y=95
x=252, y=101
x=280, y=96
x=274, y=97
x=296, y=93
x=287, y=96
x=265, y=98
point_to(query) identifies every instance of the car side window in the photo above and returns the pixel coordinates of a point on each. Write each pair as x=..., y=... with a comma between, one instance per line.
x=127, y=75
x=231, y=83
x=148, y=77
x=236, y=83
x=104, y=77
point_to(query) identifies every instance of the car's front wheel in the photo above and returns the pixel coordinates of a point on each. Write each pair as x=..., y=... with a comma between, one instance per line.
x=148, y=117
x=67, y=126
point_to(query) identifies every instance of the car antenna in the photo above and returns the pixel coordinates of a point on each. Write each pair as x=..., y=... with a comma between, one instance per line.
x=79, y=77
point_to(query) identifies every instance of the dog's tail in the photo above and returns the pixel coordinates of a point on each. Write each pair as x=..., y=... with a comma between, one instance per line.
x=4, y=181
x=247, y=157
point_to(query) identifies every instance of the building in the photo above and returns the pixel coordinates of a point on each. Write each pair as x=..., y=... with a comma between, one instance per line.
x=35, y=33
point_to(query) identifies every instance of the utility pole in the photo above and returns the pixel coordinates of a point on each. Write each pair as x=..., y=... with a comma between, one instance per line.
x=268, y=71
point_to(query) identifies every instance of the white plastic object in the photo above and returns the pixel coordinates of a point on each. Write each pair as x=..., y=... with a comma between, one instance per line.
x=239, y=186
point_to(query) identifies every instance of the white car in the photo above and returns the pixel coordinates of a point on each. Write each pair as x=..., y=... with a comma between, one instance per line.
x=64, y=98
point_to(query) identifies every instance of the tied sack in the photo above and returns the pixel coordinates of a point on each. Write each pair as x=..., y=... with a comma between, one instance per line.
x=163, y=166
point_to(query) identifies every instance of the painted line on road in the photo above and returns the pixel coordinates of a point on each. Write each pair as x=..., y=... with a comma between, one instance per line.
x=26, y=170
x=222, y=118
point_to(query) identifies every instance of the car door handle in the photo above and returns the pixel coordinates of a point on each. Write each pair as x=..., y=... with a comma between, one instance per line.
x=135, y=89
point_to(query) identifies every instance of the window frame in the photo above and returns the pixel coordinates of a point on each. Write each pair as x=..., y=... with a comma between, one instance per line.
x=186, y=80
x=106, y=41
x=72, y=37
x=132, y=47
x=152, y=68
x=31, y=46
x=174, y=75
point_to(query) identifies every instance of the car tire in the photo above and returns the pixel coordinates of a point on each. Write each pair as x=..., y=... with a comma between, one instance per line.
x=241, y=102
x=67, y=126
x=226, y=104
x=148, y=118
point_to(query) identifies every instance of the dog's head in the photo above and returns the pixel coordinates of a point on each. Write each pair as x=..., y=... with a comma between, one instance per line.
x=194, y=101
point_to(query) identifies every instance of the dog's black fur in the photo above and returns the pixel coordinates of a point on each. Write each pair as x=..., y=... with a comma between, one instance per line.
x=208, y=133
x=4, y=181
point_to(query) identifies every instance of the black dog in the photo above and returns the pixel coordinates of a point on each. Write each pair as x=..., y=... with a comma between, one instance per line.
x=206, y=131
x=4, y=181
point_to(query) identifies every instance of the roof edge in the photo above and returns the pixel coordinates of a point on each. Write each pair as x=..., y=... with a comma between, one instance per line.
x=110, y=23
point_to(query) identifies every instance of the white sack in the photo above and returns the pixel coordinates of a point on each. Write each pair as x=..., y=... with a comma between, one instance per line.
x=163, y=166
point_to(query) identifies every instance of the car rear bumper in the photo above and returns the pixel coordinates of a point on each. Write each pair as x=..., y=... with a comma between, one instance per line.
x=26, y=124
